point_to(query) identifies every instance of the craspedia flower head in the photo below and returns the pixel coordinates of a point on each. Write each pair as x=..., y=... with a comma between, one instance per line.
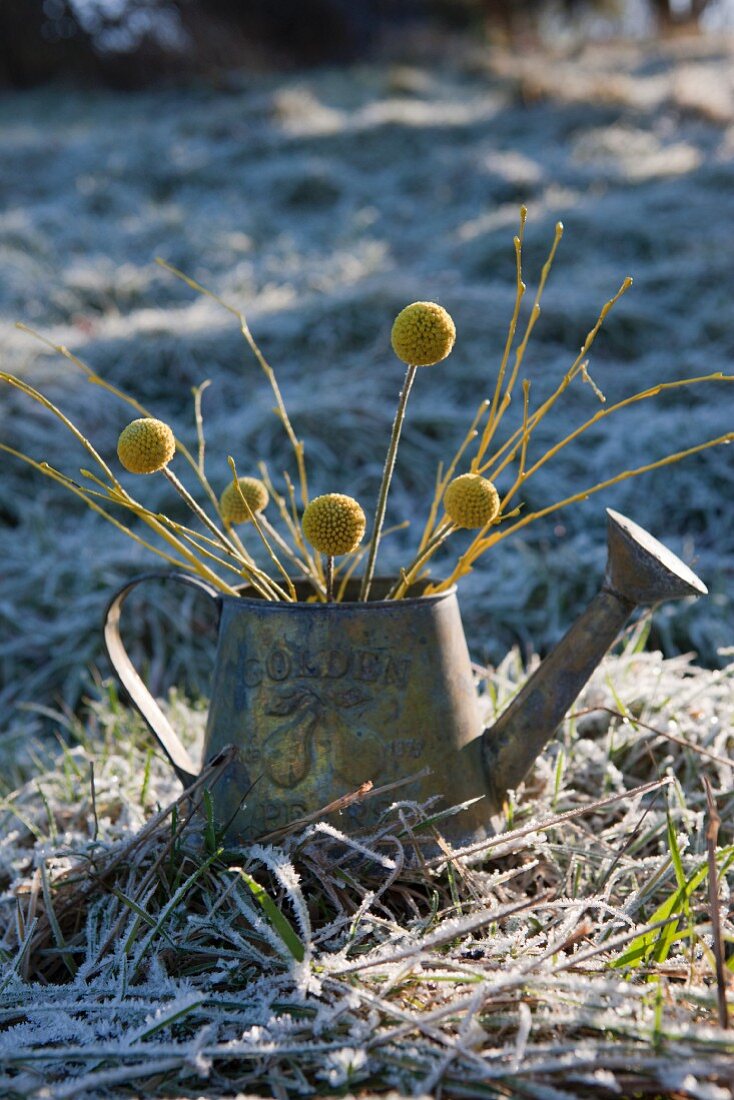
x=334, y=524
x=471, y=501
x=423, y=334
x=145, y=446
x=233, y=507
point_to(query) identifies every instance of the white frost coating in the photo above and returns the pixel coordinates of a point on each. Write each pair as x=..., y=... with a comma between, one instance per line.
x=525, y=1023
x=318, y=282
x=258, y=922
x=690, y=1084
x=351, y=842
x=342, y=1065
x=287, y=876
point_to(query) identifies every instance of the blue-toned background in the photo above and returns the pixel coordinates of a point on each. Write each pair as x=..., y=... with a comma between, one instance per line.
x=321, y=201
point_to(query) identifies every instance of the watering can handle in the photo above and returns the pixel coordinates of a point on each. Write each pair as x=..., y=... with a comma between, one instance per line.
x=161, y=728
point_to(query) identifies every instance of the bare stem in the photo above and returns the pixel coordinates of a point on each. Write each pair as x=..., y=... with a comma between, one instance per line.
x=29, y=391
x=520, y=289
x=520, y=353
x=313, y=560
x=282, y=414
x=116, y=489
x=654, y=391
x=292, y=556
x=290, y=595
x=570, y=374
x=482, y=544
x=96, y=380
x=199, y=421
x=409, y=575
x=443, y=479
x=289, y=517
x=200, y=513
x=86, y=495
x=385, y=484
x=352, y=561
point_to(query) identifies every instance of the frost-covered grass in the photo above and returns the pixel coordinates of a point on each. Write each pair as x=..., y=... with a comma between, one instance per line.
x=570, y=956
x=321, y=204
x=136, y=959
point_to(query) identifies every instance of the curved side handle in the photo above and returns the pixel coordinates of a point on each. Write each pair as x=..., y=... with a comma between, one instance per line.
x=161, y=728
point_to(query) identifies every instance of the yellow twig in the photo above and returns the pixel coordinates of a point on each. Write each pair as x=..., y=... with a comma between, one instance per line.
x=409, y=575
x=534, y=315
x=642, y=395
x=352, y=560
x=443, y=479
x=520, y=289
x=29, y=391
x=296, y=444
x=568, y=377
x=97, y=380
x=290, y=595
x=480, y=545
x=68, y=483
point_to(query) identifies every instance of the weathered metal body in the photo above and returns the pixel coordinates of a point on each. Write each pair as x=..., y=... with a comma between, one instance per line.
x=319, y=698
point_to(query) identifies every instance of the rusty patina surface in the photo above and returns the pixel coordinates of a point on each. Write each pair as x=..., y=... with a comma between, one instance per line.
x=640, y=571
x=318, y=699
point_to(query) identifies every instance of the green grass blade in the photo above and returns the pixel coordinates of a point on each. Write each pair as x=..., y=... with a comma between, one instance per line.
x=279, y=921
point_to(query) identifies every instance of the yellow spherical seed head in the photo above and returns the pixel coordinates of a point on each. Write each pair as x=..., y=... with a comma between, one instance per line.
x=233, y=507
x=471, y=501
x=423, y=334
x=334, y=524
x=145, y=446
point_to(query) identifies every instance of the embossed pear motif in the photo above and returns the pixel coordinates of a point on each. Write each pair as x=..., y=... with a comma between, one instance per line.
x=314, y=718
x=287, y=752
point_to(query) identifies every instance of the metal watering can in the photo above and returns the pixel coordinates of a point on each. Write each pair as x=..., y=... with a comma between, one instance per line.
x=318, y=698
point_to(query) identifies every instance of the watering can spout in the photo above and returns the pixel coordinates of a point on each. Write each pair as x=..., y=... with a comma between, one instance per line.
x=640, y=571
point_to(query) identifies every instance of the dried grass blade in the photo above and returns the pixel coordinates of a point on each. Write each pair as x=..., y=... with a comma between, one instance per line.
x=712, y=834
x=546, y=823
x=53, y=922
x=169, y=907
x=464, y=927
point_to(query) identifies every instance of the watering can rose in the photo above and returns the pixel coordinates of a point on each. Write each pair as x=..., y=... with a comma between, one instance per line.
x=146, y=446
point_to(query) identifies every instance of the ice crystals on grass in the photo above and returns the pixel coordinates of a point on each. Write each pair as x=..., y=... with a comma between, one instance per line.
x=343, y=1065
x=218, y=990
x=287, y=876
x=692, y=1086
x=305, y=981
x=351, y=842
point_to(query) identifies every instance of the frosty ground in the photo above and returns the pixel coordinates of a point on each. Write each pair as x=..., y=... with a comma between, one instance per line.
x=569, y=957
x=321, y=203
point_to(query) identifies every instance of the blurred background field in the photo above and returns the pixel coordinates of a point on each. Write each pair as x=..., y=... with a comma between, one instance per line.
x=320, y=165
